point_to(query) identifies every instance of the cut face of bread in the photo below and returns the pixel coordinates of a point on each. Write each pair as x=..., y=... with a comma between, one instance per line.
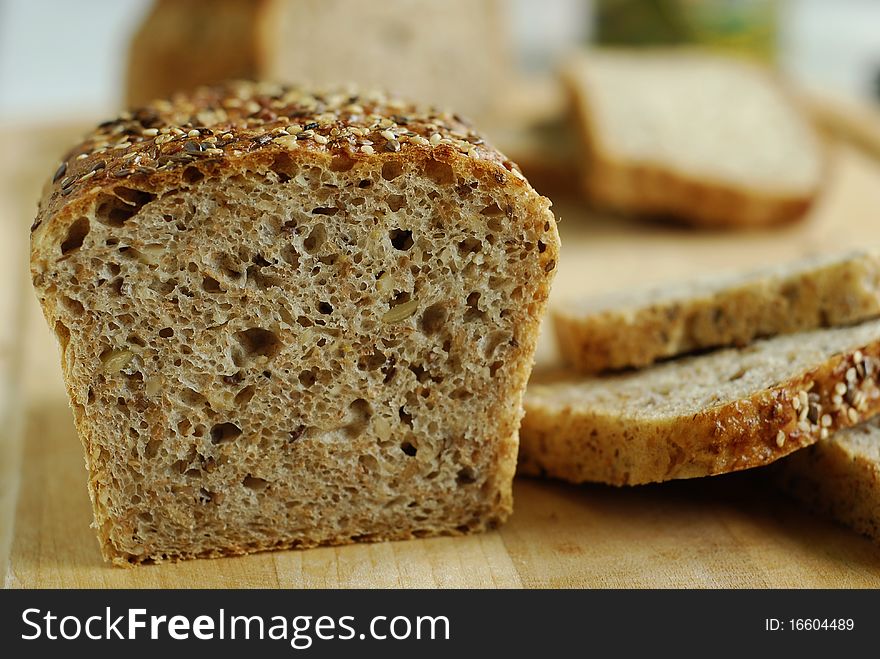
x=637, y=328
x=704, y=415
x=291, y=332
x=839, y=476
x=705, y=139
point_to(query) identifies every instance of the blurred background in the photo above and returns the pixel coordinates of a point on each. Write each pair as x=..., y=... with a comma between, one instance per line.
x=61, y=57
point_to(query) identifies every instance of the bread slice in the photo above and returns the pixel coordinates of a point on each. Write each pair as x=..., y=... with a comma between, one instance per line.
x=704, y=139
x=839, y=476
x=290, y=318
x=697, y=416
x=453, y=53
x=637, y=328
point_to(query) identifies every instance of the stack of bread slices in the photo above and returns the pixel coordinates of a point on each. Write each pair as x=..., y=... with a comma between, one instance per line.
x=714, y=377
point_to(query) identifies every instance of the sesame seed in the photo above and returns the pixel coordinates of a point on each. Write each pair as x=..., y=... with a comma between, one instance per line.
x=61, y=171
x=840, y=388
x=858, y=357
x=852, y=415
x=823, y=433
x=837, y=400
x=320, y=139
x=780, y=438
x=435, y=139
x=82, y=156
x=366, y=148
x=796, y=403
x=826, y=420
x=150, y=132
x=387, y=134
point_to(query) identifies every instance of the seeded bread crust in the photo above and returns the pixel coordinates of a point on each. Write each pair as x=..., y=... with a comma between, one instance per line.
x=653, y=185
x=268, y=302
x=839, y=477
x=698, y=416
x=642, y=327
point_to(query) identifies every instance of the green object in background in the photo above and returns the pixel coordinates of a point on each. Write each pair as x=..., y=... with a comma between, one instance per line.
x=746, y=27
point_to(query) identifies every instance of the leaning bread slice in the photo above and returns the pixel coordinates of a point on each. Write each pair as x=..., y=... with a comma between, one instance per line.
x=708, y=140
x=290, y=318
x=710, y=414
x=839, y=476
x=637, y=328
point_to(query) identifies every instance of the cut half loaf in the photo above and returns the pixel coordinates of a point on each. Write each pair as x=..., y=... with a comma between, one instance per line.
x=290, y=318
x=839, y=476
x=637, y=328
x=704, y=139
x=697, y=416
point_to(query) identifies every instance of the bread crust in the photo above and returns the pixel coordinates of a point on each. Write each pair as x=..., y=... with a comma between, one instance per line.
x=657, y=189
x=580, y=445
x=252, y=133
x=801, y=296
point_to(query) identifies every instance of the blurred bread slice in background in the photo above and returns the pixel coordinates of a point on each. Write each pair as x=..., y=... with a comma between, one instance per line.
x=839, y=476
x=452, y=53
x=704, y=139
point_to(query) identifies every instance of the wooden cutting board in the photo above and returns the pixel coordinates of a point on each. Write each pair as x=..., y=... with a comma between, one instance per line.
x=725, y=531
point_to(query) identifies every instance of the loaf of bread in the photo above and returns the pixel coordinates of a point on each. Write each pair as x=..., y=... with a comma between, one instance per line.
x=698, y=416
x=702, y=139
x=839, y=477
x=291, y=318
x=452, y=53
x=638, y=328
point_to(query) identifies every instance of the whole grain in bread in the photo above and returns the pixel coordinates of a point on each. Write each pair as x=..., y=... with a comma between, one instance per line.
x=707, y=140
x=290, y=318
x=697, y=416
x=640, y=327
x=839, y=476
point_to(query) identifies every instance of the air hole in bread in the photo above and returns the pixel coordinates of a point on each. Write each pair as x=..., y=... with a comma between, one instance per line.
x=405, y=416
x=369, y=462
x=439, y=172
x=284, y=167
x=76, y=234
x=466, y=476
x=408, y=448
x=391, y=170
x=223, y=433
x=492, y=210
x=193, y=174
x=116, y=209
x=365, y=183
x=371, y=362
x=341, y=163
x=473, y=312
x=360, y=412
x=73, y=306
x=152, y=448
x=211, y=285
x=256, y=342
x=307, y=378
x=494, y=367
x=316, y=238
x=396, y=202
x=434, y=318
x=166, y=332
x=62, y=333
x=401, y=239
x=470, y=246
x=254, y=483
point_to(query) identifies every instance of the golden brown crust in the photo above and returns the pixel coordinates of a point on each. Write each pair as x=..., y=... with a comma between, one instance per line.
x=578, y=446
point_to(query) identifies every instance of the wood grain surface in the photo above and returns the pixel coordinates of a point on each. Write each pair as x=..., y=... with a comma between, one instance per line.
x=724, y=531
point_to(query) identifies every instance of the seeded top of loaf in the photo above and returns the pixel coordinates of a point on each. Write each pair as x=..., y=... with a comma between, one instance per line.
x=233, y=120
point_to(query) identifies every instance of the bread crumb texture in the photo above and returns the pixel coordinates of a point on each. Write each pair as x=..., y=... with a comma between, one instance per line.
x=290, y=318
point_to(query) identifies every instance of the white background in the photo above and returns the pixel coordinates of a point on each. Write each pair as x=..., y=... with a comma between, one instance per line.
x=66, y=57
